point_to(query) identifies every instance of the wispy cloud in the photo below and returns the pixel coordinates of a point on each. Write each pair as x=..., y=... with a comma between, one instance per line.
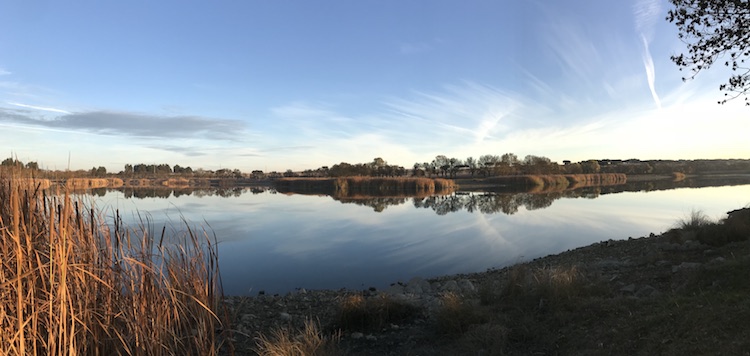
x=131, y=124
x=646, y=14
x=575, y=51
x=648, y=63
x=42, y=108
x=471, y=113
x=4, y=72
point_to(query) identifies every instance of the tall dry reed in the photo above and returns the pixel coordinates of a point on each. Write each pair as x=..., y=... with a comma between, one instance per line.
x=70, y=284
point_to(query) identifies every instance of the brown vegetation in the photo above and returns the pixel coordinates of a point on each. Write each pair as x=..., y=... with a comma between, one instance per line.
x=357, y=313
x=86, y=183
x=72, y=284
x=370, y=186
x=309, y=341
x=176, y=183
x=539, y=183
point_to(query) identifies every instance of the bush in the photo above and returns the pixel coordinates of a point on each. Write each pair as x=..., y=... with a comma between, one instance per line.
x=357, y=313
x=696, y=220
x=455, y=315
x=308, y=341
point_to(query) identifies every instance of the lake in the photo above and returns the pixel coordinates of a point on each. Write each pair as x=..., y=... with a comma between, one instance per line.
x=275, y=242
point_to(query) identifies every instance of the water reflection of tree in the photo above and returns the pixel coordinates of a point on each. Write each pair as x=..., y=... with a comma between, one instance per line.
x=376, y=203
x=165, y=193
x=492, y=203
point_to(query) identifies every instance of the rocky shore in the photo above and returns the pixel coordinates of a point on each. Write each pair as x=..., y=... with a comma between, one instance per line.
x=638, y=274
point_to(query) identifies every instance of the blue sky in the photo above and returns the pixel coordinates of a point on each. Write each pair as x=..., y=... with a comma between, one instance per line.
x=273, y=85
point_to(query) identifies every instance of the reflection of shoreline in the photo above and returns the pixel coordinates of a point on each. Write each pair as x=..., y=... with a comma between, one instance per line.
x=166, y=193
x=492, y=202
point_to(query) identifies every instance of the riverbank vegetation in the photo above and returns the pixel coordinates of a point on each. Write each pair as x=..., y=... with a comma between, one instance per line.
x=73, y=283
x=352, y=186
x=486, y=166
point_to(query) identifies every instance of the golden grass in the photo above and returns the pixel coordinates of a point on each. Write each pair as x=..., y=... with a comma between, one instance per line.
x=72, y=285
x=176, y=182
x=115, y=183
x=547, y=183
x=86, y=183
x=308, y=341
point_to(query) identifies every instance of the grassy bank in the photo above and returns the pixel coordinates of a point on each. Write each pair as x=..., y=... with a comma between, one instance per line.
x=370, y=186
x=535, y=183
x=73, y=284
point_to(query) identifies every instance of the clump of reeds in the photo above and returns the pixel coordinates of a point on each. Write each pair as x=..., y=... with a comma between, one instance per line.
x=115, y=183
x=86, y=183
x=309, y=341
x=694, y=221
x=176, y=182
x=72, y=285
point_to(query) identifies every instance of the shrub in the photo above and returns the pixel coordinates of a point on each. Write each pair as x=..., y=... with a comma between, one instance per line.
x=358, y=313
x=455, y=315
x=308, y=341
x=694, y=221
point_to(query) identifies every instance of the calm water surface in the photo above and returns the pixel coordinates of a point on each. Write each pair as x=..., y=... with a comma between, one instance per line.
x=275, y=242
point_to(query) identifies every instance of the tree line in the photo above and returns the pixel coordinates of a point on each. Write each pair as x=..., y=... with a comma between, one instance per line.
x=441, y=166
x=510, y=164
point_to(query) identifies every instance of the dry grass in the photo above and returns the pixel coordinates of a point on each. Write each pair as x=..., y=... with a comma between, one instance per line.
x=86, y=183
x=309, y=341
x=357, y=313
x=541, y=183
x=176, y=182
x=457, y=315
x=115, y=183
x=73, y=285
x=694, y=221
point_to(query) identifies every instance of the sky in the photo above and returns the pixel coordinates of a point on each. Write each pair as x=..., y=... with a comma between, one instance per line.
x=277, y=85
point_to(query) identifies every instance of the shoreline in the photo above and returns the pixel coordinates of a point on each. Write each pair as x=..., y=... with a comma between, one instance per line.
x=637, y=271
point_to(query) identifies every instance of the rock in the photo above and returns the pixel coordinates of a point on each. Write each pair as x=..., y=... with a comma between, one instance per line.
x=608, y=264
x=647, y=291
x=426, y=287
x=247, y=318
x=718, y=260
x=466, y=286
x=685, y=265
x=357, y=335
x=395, y=289
x=371, y=337
x=417, y=286
x=630, y=288
x=450, y=286
x=285, y=316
